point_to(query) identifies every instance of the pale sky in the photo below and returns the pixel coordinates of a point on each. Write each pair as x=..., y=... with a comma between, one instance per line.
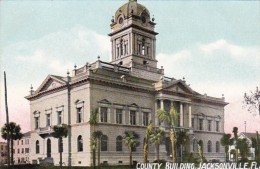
x=215, y=45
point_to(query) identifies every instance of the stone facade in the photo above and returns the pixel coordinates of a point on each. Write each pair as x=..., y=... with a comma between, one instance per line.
x=22, y=149
x=127, y=93
x=3, y=153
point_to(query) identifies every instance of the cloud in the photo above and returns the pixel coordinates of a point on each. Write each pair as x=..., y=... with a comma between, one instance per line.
x=60, y=50
x=29, y=62
x=250, y=55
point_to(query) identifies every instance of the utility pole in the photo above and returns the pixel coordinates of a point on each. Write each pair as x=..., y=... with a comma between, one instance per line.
x=7, y=124
x=245, y=126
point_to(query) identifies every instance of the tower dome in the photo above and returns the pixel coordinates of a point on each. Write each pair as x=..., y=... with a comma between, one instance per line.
x=132, y=8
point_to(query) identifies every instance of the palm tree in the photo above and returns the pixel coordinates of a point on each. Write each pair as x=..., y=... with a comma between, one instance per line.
x=235, y=131
x=131, y=141
x=93, y=146
x=171, y=118
x=146, y=141
x=60, y=132
x=97, y=135
x=7, y=122
x=243, y=147
x=156, y=138
x=14, y=134
x=93, y=119
x=226, y=141
x=182, y=139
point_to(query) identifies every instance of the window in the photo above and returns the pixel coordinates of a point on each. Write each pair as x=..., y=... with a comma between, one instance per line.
x=192, y=123
x=48, y=119
x=48, y=147
x=209, y=146
x=209, y=125
x=37, y=147
x=119, y=116
x=104, y=141
x=18, y=151
x=194, y=146
x=145, y=118
x=217, y=126
x=27, y=150
x=200, y=124
x=79, y=114
x=22, y=142
x=59, y=119
x=132, y=117
x=201, y=145
x=18, y=142
x=80, y=143
x=119, y=143
x=36, y=119
x=22, y=150
x=217, y=147
x=103, y=114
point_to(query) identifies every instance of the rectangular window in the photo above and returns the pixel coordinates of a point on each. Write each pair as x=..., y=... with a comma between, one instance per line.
x=132, y=117
x=209, y=125
x=36, y=119
x=79, y=114
x=59, y=119
x=119, y=116
x=48, y=119
x=103, y=114
x=18, y=151
x=217, y=126
x=192, y=123
x=26, y=150
x=22, y=142
x=200, y=124
x=145, y=118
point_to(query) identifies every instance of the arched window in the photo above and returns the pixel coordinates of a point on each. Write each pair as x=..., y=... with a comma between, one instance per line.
x=201, y=145
x=104, y=141
x=194, y=146
x=209, y=146
x=48, y=148
x=37, y=147
x=119, y=143
x=80, y=143
x=217, y=147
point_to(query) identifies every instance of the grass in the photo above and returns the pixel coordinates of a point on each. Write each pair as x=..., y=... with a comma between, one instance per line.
x=57, y=167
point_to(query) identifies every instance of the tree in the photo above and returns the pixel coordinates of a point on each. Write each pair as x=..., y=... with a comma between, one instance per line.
x=131, y=141
x=243, y=147
x=256, y=145
x=182, y=139
x=171, y=118
x=14, y=134
x=156, y=139
x=93, y=119
x=235, y=131
x=93, y=146
x=252, y=101
x=7, y=122
x=60, y=132
x=226, y=141
x=146, y=141
x=97, y=135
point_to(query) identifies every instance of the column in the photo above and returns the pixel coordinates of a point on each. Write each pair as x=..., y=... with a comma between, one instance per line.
x=161, y=107
x=156, y=121
x=190, y=125
x=181, y=115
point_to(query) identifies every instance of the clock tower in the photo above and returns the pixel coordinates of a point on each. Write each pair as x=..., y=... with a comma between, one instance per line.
x=133, y=37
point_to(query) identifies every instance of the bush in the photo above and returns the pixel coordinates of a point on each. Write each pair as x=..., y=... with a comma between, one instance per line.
x=160, y=161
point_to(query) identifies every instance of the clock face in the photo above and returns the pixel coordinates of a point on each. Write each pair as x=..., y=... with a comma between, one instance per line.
x=120, y=21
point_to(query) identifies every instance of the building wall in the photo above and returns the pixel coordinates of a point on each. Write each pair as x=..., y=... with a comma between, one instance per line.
x=3, y=152
x=22, y=150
